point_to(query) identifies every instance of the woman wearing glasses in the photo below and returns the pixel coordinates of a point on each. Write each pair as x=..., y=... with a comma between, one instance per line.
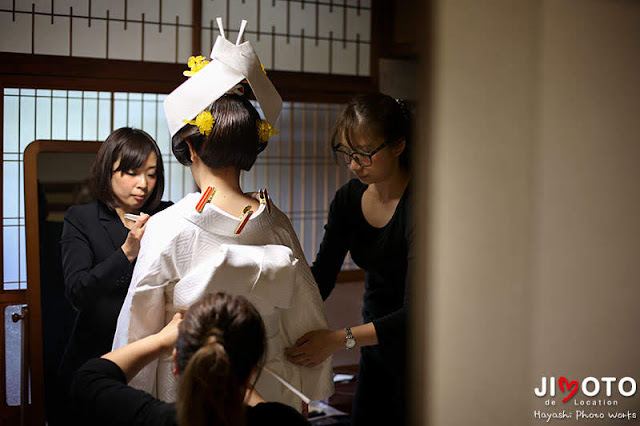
x=370, y=217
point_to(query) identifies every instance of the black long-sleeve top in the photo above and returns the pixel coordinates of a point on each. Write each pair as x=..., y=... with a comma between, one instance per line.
x=383, y=253
x=102, y=397
x=96, y=275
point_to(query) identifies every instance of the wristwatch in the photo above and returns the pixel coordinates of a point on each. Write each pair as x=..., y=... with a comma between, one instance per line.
x=349, y=341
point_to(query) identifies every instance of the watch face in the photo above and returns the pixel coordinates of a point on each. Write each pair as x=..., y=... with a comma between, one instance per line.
x=350, y=343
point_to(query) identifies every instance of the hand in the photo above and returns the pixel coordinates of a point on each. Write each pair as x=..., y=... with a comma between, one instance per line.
x=315, y=346
x=131, y=245
x=169, y=334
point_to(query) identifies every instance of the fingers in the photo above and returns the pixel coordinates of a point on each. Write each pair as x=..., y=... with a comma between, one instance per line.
x=294, y=352
x=304, y=360
x=304, y=339
x=177, y=317
x=303, y=356
x=298, y=359
x=142, y=222
x=138, y=228
x=296, y=355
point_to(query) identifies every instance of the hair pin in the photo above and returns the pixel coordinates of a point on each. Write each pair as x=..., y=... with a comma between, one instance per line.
x=246, y=214
x=206, y=197
x=264, y=198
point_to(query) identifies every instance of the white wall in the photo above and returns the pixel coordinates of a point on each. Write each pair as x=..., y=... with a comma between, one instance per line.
x=587, y=188
x=534, y=182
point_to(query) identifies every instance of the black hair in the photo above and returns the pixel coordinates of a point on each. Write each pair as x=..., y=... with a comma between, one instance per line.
x=233, y=142
x=220, y=341
x=132, y=147
x=375, y=116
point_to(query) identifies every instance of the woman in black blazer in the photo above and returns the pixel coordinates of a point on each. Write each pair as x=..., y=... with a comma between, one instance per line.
x=99, y=245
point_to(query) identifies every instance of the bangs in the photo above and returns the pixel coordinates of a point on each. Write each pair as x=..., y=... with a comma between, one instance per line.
x=354, y=131
x=360, y=139
x=135, y=153
x=131, y=147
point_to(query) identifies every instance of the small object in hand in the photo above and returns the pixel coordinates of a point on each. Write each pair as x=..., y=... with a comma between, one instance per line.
x=133, y=217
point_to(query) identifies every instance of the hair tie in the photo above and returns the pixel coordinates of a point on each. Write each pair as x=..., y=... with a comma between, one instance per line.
x=213, y=339
x=403, y=108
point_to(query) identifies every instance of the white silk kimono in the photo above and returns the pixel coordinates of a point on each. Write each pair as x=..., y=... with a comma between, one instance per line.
x=185, y=254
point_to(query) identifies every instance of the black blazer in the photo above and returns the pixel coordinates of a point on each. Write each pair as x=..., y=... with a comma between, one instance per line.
x=97, y=275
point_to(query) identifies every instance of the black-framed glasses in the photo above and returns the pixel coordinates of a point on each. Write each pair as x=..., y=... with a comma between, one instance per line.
x=362, y=158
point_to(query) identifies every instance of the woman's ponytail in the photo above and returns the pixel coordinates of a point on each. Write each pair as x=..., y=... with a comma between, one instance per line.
x=221, y=340
x=209, y=392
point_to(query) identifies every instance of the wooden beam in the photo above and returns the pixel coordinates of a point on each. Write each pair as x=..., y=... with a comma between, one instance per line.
x=13, y=297
x=69, y=73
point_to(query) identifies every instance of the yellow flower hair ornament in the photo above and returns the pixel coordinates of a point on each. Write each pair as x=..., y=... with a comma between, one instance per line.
x=196, y=63
x=204, y=121
x=265, y=131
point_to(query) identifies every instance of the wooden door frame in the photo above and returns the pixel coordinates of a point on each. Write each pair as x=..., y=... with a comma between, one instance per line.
x=36, y=412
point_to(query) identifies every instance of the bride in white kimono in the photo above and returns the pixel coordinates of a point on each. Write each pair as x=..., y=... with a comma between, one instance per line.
x=222, y=239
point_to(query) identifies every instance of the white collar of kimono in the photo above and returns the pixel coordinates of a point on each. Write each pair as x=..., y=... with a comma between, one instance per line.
x=214, y=220
x=230, y=64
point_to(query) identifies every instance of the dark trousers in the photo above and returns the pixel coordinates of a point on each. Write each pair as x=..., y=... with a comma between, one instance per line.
x=380, y=390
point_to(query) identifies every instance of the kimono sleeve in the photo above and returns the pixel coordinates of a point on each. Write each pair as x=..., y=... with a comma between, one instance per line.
x=306, y=314
x=143, y=311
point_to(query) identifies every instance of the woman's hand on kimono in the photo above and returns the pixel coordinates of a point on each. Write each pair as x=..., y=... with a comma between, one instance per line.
x=315, y=346
x=169, y=334
x=133, y=357
x=131, y=245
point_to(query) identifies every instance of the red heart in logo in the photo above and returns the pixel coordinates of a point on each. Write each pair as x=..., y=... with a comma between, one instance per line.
x=571, y=386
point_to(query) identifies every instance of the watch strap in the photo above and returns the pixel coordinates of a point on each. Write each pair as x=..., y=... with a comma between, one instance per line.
x=349, y=341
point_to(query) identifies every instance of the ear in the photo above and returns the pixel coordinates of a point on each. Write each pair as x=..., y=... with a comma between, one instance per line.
x=174, y=355
x=192, y=151
x=399, y=147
